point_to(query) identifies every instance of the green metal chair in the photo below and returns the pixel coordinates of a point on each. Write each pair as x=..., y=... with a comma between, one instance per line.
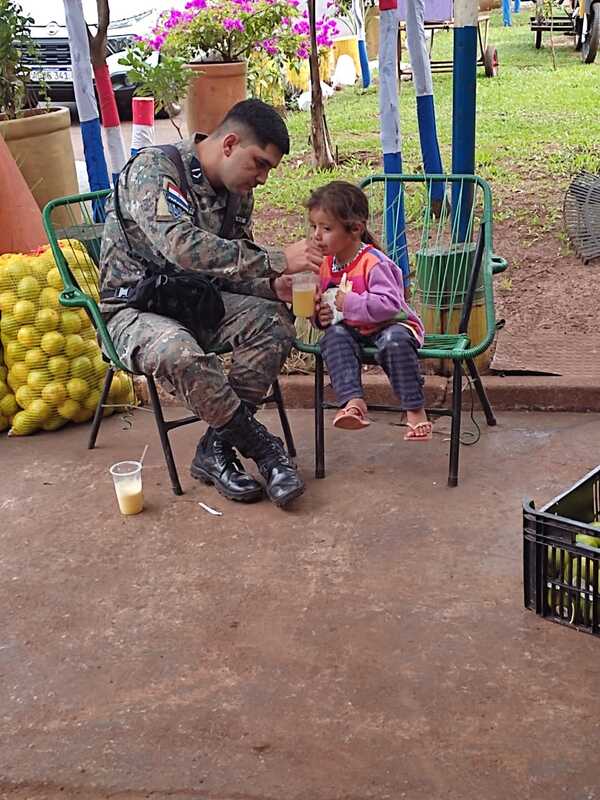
x=80, y=219
x=452, y=289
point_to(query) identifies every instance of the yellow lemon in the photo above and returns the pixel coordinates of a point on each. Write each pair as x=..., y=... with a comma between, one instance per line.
x=23, y=424
x=81, y=367
x=74, y=345
x=37, y=379
x=39, y=410
x=68, y=409
x=3, y=389
x=53, y=343
x=54, y=393
x=47, y=319
x=5, y=281
x=92, y=400
x=25, y=396
x=127, y=394
x=78, y=389
x=14, y=352
x=7, y=301
x=49, y=298
x=8, y=405
x=59, y=366
x=54, y=422
x=83, y=316
x=15, y=270
x=83, y=415
x=115, y=389
x=29, y=336
x=89, y=334
x=28, y=288
x=24, y=312
x=54, y=280
x=36, y=358
x=91, y=349
x=3, y=369
x=100, y=367
x=17, y=375
x=39, y=270
x=70, y=322
x=8, y=326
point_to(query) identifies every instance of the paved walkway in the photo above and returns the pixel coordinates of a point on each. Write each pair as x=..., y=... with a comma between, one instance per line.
x=371, y=643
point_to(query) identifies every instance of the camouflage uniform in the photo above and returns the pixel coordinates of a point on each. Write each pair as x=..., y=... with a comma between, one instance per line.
x=163, y=224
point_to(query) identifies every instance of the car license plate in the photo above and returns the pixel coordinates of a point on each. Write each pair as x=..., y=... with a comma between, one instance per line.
x=51, y=75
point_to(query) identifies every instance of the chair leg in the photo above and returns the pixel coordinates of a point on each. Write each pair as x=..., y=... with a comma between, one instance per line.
x=319, y=419
x=455, y=431
x=98, y=414
x=481, y=393
x=164, y=435
x=283, y=418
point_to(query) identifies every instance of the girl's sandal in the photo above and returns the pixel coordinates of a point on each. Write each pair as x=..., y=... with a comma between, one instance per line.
x=351, y=418
x=421, y=432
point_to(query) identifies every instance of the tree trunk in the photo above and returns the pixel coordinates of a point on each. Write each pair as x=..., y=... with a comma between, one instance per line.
x=98, y=43
x=321, y=143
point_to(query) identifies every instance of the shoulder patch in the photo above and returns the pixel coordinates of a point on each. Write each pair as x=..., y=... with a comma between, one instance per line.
x=196, y=170
x=172, y=202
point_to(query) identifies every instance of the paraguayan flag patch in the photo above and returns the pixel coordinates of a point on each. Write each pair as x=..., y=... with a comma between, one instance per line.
x=172, y=201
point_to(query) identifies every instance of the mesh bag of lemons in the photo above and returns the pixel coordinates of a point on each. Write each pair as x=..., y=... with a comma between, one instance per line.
x=53, y=370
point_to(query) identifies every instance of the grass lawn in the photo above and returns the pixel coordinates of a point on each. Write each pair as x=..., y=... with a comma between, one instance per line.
x=535, y=126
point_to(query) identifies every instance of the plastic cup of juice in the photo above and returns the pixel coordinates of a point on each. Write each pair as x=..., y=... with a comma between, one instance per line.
x=127, y=478
x=303, y=293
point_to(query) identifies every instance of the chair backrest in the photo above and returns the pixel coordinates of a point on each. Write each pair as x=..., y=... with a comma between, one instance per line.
x=450, y=286
x=75, y=240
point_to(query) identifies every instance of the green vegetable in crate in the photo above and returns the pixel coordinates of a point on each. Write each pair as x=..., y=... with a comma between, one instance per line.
x=584, y=576
x=559, y=603
x=589, y=541
x=553, y=555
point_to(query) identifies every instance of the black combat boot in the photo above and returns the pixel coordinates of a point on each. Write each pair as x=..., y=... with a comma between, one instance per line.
x=215, y=463
x=253, y=440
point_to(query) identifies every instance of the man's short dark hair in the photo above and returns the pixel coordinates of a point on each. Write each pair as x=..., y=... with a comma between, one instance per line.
x=261, y=120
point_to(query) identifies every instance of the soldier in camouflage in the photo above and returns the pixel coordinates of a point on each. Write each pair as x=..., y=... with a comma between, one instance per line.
x=163, y=224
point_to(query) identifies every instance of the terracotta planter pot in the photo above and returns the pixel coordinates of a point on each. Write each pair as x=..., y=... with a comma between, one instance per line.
x=489, y=5
x=212, y=91
x=40, y=143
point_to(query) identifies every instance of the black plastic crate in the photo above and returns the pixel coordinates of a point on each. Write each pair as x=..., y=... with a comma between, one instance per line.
x=561, y=566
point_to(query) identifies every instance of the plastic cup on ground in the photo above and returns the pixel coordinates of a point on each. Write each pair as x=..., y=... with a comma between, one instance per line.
x=303, y=293
x=127, y=478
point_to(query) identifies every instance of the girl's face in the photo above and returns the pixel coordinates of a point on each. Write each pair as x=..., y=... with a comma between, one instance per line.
x=331, y=236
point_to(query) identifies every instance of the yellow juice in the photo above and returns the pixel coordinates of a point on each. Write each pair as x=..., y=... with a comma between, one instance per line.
x=303, y=302
x=131, y=499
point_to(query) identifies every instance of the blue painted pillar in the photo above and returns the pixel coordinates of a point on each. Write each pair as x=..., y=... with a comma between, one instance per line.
x=463, y=109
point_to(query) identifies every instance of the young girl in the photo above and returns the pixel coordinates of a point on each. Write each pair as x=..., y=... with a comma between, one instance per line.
x=374, y=311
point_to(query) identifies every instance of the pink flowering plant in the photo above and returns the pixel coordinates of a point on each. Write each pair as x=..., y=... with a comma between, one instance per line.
x=270, y=34
x=231, y=30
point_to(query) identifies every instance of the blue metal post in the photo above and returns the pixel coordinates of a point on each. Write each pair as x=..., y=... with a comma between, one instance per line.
x=463, y=108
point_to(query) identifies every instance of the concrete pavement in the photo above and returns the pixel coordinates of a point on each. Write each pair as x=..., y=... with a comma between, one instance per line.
x=369, y=643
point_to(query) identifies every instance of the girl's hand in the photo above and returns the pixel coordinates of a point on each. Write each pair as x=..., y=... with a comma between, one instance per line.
x=339, y=299
x=323, y=312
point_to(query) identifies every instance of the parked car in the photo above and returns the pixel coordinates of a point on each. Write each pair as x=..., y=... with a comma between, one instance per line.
x=53, y=60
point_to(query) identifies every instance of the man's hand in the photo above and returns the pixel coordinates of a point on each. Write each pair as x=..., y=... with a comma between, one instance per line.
x=303, y=256
x=282, y=286
x=323, y=312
